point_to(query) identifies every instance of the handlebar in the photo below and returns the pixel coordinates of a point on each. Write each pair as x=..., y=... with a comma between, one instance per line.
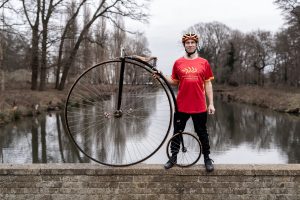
x=144, y=59
x=139, y=58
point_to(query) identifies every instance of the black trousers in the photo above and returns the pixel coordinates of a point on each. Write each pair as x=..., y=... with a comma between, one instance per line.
x=199, y=121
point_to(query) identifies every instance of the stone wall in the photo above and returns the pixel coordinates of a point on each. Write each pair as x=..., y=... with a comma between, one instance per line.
x=92, y=181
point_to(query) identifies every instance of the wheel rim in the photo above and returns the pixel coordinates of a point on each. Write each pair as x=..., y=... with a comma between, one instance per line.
x=118, y=137
x=190, y=154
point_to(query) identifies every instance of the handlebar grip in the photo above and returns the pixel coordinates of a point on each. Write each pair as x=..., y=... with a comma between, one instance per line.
x=154, y=62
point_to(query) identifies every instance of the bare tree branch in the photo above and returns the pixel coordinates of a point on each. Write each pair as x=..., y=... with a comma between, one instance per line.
x=63, y=37
x=100, y=11
x=116, y=24
x=3, y=3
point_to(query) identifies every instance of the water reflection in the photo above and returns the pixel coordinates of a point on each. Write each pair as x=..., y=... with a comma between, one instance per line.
x=256, y=132
x=126, y=139
x=39, y=139
x=239, y=134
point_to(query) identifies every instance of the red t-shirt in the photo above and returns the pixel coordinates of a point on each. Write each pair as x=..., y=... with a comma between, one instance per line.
x=191, y=75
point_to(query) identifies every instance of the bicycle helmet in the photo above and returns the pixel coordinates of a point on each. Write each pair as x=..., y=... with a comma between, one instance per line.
x=190, y=36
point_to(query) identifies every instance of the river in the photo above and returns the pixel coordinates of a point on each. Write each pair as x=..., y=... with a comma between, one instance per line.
x=239, y=134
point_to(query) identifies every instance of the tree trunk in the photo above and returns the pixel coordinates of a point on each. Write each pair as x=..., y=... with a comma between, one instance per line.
x=58, y=68
x=67, y=65
x=2, y=79
x=2, y=67
x=44, y=58
x=34, y=58
x=70, y=23
x=69, y=62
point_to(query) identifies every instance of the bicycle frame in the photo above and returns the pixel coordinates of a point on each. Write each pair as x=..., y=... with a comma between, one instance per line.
x=134, y=58
x=83, y=89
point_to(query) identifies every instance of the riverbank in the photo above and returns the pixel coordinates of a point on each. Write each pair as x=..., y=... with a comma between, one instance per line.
x=18, y=103
x=279, y=99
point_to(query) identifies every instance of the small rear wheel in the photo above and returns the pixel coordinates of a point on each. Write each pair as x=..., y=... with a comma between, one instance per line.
x=188, y=148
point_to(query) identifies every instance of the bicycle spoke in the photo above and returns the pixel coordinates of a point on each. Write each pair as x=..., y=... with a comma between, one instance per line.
x=127, y=136
x=191, y=152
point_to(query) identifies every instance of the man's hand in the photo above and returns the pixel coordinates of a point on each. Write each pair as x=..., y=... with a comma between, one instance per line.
x=168, y=78
x=156, y=74
x=211, y=109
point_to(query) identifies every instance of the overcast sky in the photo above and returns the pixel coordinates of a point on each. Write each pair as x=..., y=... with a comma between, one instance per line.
x=169, y=18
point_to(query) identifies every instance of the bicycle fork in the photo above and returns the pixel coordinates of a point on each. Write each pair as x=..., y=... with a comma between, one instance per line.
x=184, y=149
x=118, y=112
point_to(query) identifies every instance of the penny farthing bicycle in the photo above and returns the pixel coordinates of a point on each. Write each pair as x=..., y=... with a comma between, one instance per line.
x=118, y=113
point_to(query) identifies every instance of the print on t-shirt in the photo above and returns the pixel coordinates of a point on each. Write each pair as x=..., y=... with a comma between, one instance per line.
x=189, y=70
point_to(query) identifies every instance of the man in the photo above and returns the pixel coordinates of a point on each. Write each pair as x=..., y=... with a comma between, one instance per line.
x=193, y=76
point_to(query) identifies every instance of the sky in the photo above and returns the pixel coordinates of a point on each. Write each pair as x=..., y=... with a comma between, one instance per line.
x=169, y=18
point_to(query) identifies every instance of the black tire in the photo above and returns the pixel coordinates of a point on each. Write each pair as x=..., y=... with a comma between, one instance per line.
x=190, y=154
x=125, y=140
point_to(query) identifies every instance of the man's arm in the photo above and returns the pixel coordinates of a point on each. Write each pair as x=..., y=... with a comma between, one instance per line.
x=171, y=81
x=168, y=78
x=210, y=96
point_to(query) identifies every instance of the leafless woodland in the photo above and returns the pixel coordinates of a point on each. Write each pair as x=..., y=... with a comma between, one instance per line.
x=55, y=40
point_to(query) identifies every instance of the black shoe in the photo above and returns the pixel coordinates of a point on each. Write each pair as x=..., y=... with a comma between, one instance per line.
x=208, y=164
x=171, y=162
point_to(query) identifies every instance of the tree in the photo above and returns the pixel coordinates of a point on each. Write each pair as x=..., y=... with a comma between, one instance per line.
x=214, y=39
x=101, y=47
x=87, y=57
x=1, y=63
x=13, y=47
x=105, y=9
x=15, y=50
x=2, y=51
x=101, y=41
x=291, y=10
x=286, y=69
x=46, y=14
x=31, y=7
x=138, y=45
x=118, y=36
x=230, y=65
x=231, y=70
x=287, y=52
x=68, y=36
x=259, y=46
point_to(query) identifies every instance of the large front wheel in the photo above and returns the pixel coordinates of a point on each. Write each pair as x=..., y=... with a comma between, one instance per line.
x=125, y=136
